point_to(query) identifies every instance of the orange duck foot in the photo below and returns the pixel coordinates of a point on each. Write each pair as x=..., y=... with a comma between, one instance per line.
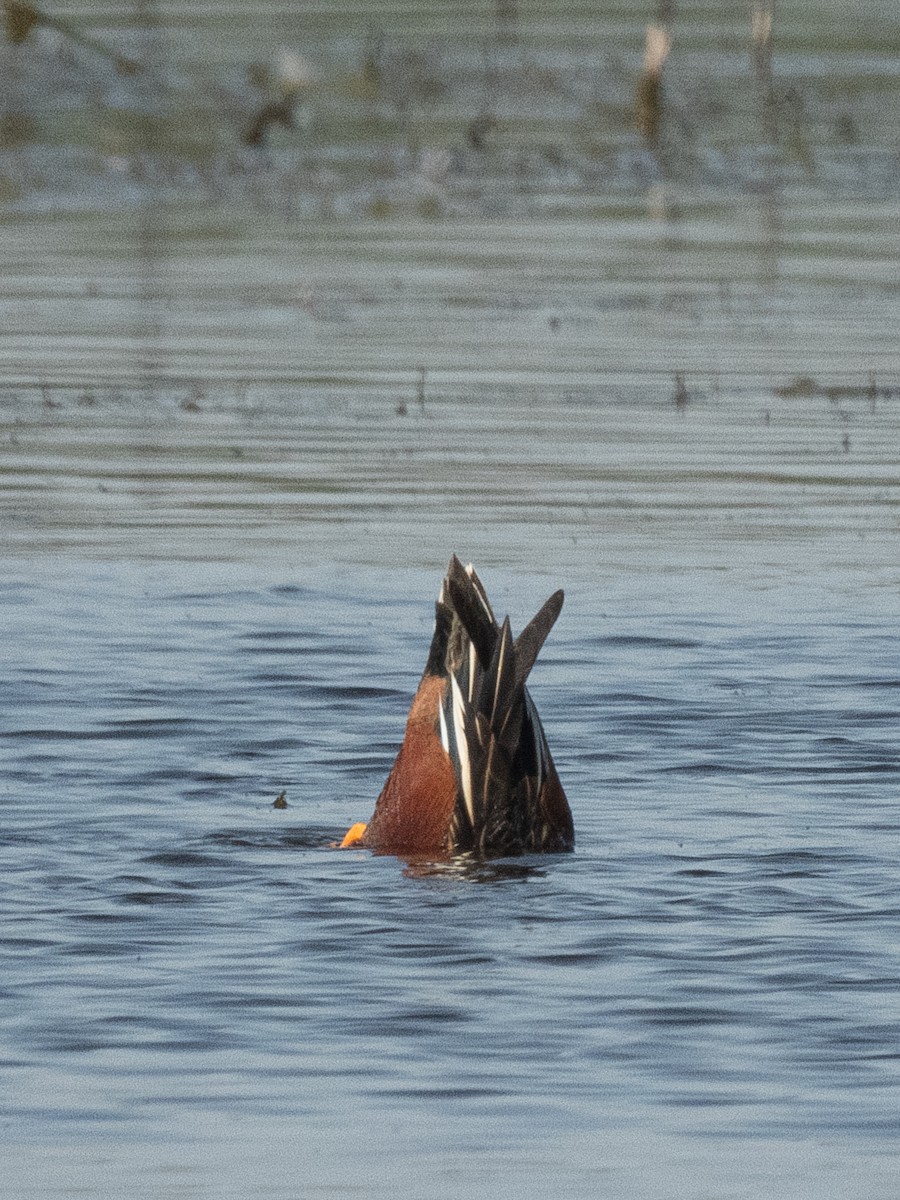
x=353, y=836
x=474, y=772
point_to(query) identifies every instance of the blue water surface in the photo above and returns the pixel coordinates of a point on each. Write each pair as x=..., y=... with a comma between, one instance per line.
x=201, y=997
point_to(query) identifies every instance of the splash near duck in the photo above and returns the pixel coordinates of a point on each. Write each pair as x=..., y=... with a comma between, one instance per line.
x=474, y=773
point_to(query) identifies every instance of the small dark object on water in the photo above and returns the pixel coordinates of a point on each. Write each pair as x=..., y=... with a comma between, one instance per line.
x=474, y=773
x=280, y=801
x=800, y=385
x=401, y=409
x=289, y=76
x=191, y=402
x=846, y=131
x=479, y=130
x=804, y=386
x=275, y=112
x=681, y=392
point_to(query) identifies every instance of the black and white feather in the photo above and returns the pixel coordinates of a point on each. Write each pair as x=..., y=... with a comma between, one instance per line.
x=488, y=722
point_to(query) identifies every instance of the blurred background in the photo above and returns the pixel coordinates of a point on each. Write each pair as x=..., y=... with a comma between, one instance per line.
x=249, y=193
x=477, y=213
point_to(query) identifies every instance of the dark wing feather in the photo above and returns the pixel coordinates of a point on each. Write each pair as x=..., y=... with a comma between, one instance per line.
x=533, y=636
x=494, y=734
x=471, y=607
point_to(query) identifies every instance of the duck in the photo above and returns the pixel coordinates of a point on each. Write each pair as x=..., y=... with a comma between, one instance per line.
x=474, y=774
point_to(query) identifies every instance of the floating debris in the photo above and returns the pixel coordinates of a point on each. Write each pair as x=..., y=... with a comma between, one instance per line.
x=681, y=392
x=846, y=130
x=280, y=801
x=479, y=130
x=191, y=402
x=800, y=385
x=804, y=386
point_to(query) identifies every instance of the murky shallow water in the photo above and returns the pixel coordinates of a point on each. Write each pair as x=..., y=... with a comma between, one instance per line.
x=238, y=442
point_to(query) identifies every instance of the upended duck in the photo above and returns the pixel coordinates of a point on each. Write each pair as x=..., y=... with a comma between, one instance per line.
x=474, y=773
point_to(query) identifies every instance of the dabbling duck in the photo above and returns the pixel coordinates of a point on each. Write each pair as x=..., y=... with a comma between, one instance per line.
x=474, y=772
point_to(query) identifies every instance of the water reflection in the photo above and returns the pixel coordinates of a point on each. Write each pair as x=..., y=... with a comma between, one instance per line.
x=474, y=869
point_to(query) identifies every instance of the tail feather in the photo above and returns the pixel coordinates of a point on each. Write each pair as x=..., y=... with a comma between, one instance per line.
x=491, y=726
x=436, y=663
x=499, y=692
x=471, y=606
x=533, y=636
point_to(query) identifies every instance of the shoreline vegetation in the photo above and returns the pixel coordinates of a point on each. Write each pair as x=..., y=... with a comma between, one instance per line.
x=525, y=112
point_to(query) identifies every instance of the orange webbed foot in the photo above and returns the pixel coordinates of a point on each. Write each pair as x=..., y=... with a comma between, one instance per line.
x=354, y=835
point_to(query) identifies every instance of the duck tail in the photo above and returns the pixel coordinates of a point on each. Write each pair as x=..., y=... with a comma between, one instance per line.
x=466, y=596
x=497, y=741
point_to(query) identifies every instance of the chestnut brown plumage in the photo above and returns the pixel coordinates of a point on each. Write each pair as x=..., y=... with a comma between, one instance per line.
x=474, y=772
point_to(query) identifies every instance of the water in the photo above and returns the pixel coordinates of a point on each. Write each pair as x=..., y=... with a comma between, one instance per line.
x=250, y=404
x=202, y=997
